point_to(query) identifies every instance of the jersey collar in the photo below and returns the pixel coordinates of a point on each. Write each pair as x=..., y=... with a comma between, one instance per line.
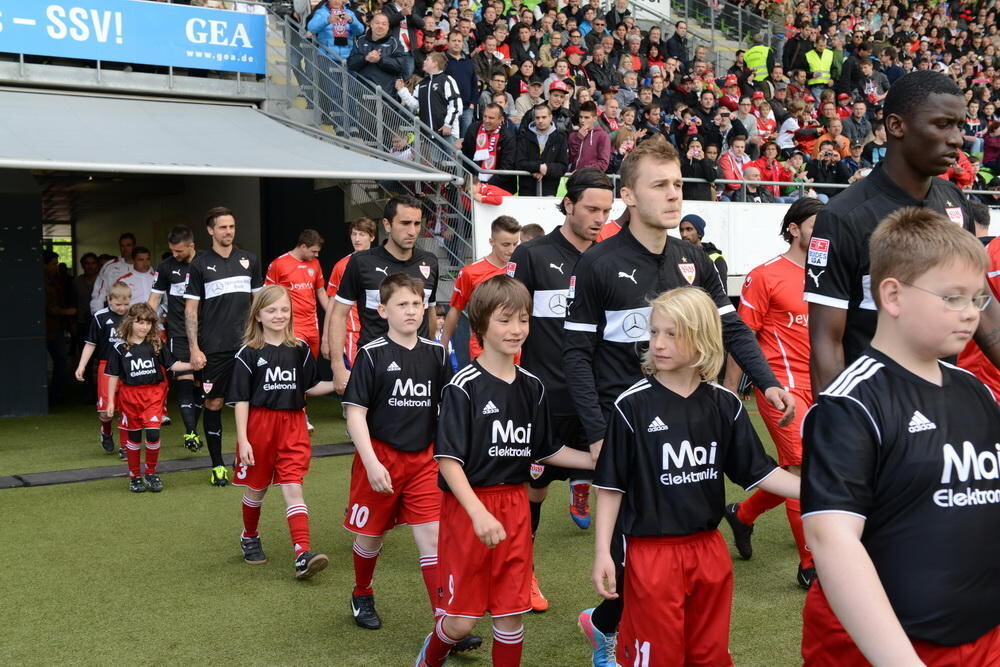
x=882, y=181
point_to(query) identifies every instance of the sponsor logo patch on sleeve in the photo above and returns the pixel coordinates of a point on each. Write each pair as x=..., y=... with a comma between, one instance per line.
x=819, y=251
x=571, y=292
x=511, y=268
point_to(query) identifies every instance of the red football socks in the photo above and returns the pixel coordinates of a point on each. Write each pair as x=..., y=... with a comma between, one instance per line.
x=298, y=525
x=793, y=509
x=251, y=516
x=364, y=569
x=105, y=427
x=429, y=571
x=760, y=502
x=132, y=456
x=507, y=647
x=439, y=646
x=152, y=457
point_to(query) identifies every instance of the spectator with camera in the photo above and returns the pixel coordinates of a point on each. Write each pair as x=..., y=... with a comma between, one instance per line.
x=695, y=164
x=824, y=169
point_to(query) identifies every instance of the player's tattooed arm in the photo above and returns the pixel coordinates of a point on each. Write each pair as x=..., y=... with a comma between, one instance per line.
x=191, y=328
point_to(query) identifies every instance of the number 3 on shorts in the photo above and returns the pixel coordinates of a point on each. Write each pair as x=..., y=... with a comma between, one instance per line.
x=241, y=472
x=641, y=654
x=359, y=515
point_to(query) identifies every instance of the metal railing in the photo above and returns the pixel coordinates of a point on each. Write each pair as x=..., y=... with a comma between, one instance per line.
x=323, y=93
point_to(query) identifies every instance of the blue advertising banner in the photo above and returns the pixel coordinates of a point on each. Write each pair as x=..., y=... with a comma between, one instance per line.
x=134, y=31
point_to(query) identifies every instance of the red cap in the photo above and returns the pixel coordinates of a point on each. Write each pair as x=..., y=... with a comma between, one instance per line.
x=558, y=85
x=843, y=96
x=731, y=80
x=573, y=48
x=809, y=98
x=757, y=95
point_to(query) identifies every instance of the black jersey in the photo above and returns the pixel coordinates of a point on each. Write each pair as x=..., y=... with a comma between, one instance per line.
x=607, y=324
x=103, y=332
x=275, y=377
x=138, y=364
x=668, y=453
x=224, y=286
x=171, y=285
x=494, y=428
x=545, y=266
x=365, y=272
x=401, y=388
x=837, y=269
x=919, y=463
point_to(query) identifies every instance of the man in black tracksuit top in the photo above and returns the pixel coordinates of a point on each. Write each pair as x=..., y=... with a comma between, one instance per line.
x=439, y=101
x=607, y=322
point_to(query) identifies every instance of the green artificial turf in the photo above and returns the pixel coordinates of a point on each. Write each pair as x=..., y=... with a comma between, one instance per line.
x=93, y=574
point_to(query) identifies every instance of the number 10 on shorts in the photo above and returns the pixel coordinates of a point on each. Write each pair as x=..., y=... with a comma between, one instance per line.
x=359, y=515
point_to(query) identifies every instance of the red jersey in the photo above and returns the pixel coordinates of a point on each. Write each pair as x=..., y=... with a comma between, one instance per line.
x=301, y=279
x=731, y=102
x=468, y=278
x=972, y=358
x=353, y=322
x=772, y=304
x=610, y=228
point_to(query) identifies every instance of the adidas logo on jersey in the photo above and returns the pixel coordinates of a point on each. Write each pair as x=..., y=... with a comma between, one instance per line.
x=154, y=418
x=261, y=362
x=393, y=368
x=919, y=423
x=128, y=354
x=110, y=321
x=656, y=425
x=490, y=409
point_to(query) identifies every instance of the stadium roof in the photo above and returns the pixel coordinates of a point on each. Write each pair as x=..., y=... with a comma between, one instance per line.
x=67, y=131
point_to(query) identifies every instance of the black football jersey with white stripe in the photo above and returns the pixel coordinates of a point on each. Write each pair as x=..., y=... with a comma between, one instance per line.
x=171, y=284
x=365, y=272
x=495, y=429
x=607, y=323
x=138, y=364
x=920, y=464
x=224, y=287
x=275, y=377
x=668, y=455
x=401, y=388
x=545, y=266
x=103, y=333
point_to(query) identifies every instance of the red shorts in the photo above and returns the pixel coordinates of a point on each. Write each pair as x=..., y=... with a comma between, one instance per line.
x=678, y=596
x=415, y=497
x=787, y=439
x=141, y=406
x=281, y=449
x=311, y=337
x=476, y=580
x=102, y=387
x=825, y=642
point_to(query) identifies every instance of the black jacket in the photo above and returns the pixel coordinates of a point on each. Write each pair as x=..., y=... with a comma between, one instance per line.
x=381, y=74
x=604, y=76
x=677, y=47
x=440, y=101
x=529, y=158
x=703, y=168
x=506, y=154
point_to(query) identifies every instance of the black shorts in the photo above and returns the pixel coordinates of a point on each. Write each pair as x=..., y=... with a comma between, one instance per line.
x=216, y=374
x=567, y=431
x=181, y=351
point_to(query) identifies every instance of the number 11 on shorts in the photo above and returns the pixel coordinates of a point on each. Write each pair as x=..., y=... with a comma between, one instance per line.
x=359, y=515
x=641, y=654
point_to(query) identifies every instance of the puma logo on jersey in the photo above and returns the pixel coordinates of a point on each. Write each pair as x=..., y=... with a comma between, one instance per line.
x=211, y=268
x=393, y=368
x=656, y=425
x=261, y=362
x=175, y=272
x=919, y=423
x=383, y=270
x=815, y=276
x=630, y=276
x=490, y=409
x=557, y=268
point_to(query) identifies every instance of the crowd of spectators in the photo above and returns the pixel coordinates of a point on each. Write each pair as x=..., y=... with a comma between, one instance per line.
x=549, y=87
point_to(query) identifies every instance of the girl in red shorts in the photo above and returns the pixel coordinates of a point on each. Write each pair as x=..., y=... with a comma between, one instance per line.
x=137, y=363
x=274, y=371
x=671, y=437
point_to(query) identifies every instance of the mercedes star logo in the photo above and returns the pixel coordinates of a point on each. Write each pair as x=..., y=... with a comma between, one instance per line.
x=634, y=325
x=557, y=304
